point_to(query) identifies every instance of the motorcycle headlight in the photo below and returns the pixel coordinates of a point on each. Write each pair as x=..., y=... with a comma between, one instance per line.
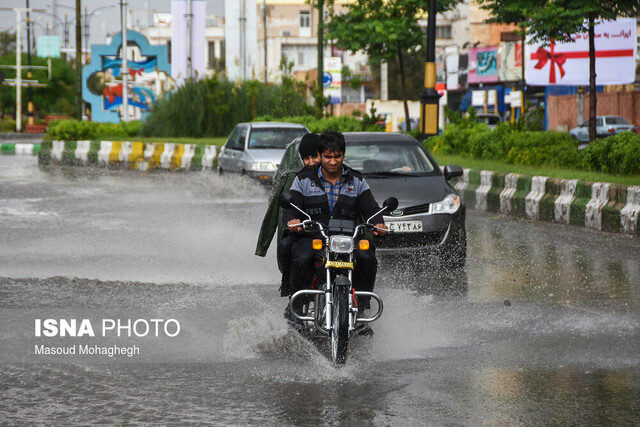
x=263, y=166
x=449, y=205
x=341, y=244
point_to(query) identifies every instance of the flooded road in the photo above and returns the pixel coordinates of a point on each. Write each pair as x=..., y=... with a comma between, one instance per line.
x=542, y=327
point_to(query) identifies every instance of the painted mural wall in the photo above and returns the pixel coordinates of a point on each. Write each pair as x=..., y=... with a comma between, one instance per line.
x=149, y=76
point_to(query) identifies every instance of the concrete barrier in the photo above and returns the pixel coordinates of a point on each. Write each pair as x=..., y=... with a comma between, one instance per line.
x=126, y=154
x=602, y=206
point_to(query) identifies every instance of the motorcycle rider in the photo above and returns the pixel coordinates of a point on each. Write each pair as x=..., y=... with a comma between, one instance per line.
x=308, y=151
x=332, y=190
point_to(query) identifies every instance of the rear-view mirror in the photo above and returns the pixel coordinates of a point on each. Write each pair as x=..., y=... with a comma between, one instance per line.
x=390, y=204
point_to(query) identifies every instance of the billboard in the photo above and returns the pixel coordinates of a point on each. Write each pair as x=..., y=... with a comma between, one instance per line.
x=332, y=81
x=568, y=63
x=48, y=46
x=510, y=61
x=483, y=65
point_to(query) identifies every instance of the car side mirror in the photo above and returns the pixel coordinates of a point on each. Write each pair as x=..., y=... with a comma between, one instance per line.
x=390, y=204
x=452, y=171
x=285, y=200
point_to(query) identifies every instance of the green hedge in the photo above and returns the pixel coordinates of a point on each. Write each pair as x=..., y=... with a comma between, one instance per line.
x=619, y=154
x=75, y=130
x=212, y=107
x=341, y=123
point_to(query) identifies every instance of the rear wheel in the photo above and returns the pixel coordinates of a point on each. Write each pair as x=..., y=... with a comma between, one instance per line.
x=340, y=331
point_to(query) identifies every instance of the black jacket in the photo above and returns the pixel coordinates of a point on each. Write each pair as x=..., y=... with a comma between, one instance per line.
x=355, y=200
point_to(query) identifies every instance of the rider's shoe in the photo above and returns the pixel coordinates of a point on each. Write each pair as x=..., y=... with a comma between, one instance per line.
x=363, y=329
x=296, y=324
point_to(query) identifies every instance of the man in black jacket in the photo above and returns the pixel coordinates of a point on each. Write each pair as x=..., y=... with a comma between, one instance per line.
x=332, y=190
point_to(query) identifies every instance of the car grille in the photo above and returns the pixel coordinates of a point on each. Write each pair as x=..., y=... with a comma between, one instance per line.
x=408, y=240
x=415, y=209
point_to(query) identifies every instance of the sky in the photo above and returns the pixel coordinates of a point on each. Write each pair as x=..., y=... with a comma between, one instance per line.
x=101, y=23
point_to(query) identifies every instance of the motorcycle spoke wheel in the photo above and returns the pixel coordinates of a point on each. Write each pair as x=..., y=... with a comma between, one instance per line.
x=340, y=331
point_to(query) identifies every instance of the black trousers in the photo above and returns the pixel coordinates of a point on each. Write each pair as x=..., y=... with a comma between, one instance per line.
x=284, y=259
x=302, y=267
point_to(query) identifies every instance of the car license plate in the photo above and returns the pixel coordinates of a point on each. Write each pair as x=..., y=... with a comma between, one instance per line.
x=404, y=226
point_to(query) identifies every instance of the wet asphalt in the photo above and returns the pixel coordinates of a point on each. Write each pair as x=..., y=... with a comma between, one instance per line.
x=542, y=326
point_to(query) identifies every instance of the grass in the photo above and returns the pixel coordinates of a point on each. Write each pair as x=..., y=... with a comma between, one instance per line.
x=552, y=172
x=219, y=141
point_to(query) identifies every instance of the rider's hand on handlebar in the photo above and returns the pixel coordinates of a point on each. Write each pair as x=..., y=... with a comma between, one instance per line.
x=294, y=227
x=380, y=230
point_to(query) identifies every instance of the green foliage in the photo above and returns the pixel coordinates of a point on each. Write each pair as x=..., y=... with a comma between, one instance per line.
x=340, y=123
x=78, y=130
x=618, y=154
x=57, y=98
x=7, y=125
x=212, y=107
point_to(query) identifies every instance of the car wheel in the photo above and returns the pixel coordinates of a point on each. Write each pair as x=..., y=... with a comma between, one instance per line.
x=454, y=254
x=220, y=172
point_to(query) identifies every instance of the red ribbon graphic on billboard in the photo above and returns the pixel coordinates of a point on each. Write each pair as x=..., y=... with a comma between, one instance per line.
x=559, y=58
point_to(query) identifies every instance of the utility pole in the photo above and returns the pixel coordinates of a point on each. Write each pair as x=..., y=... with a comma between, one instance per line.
x=264, y=26
x=430, y=99
x=189, y=41
x=18, y=71
x=30, y=119
x=124, y=69
x=320, y=45
x=79, y=59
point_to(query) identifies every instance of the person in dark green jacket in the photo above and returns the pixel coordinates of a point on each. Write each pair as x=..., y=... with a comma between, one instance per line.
x=308, y=153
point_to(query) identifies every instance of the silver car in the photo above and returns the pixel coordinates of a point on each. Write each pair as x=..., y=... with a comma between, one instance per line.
x=605, y=126
x=255, y=149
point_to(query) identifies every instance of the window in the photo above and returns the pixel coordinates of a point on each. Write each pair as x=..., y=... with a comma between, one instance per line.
x=443, y=32
x=301, y=55
x=212, y=55
x=304, y=21
x=169, y=51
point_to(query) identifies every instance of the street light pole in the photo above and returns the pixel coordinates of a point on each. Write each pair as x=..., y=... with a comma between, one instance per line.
x=18, y=72
x=430, y=98
x=124, y=69
x=78, y=59
x=30, y=119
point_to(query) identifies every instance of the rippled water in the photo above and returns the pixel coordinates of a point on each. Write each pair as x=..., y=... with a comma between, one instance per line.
x=542, y=328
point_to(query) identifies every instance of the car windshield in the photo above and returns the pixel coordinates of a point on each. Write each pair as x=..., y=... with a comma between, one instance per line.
x=388, y=158
x=273, y=137
x=616, y=120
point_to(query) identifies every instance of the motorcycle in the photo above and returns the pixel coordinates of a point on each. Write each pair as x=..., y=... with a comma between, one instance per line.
x=331, y=309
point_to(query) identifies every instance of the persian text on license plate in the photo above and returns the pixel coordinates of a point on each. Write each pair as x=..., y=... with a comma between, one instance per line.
x=405, y=226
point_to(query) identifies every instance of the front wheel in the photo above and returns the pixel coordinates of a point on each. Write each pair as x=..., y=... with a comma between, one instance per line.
x=340, y=331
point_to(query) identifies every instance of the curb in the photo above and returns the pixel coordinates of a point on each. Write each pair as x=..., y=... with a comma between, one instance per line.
x=598, y=205
x=20, y=148
x=142, y=156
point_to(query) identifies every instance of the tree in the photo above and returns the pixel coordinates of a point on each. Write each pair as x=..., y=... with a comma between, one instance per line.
x=7, y=42
x=57, y=98
x=385, y=30
x=559, y=20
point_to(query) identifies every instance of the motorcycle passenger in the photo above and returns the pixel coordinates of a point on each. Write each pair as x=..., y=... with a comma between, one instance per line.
x=332, y=190
x=308, y=151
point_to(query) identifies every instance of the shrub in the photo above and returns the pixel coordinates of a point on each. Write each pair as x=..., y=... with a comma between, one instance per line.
x=340, y=123
x=75, y=130
x=618, y=154
x=212, y=107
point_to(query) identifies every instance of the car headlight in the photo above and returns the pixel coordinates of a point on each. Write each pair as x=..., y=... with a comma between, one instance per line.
x=449, y=205
x=263, y=166
x=341, y=244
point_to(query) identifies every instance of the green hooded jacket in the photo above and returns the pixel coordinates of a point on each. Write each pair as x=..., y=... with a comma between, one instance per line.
x=291, y=165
